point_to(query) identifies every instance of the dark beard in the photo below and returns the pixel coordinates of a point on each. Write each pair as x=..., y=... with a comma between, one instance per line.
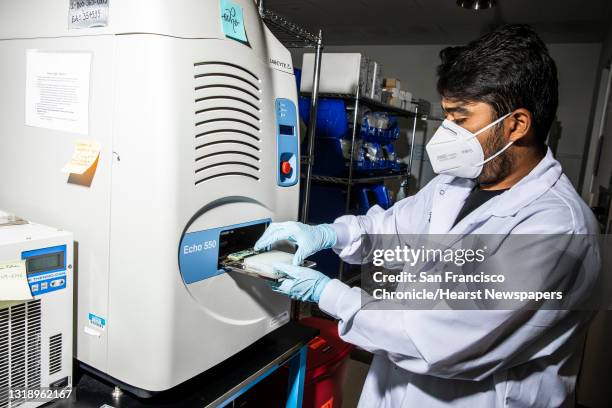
x=501, y=166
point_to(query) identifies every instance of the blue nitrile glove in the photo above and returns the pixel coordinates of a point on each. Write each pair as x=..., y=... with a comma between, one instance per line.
x=309, y=238
x=300, y=283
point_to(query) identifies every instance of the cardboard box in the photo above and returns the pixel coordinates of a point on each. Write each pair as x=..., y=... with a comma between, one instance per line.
x=397, y=102
x=393, y=92
x=392, y=83
x=408, y=96
x=386, y=96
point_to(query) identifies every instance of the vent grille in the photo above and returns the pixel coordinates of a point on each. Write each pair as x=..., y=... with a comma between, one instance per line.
x=4, y=357
x=34, y=344
x=55, y=354
x=20, y=346
x=228, y=110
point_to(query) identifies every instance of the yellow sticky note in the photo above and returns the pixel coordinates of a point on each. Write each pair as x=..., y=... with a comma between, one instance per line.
x=85, y=154
x=14, y=281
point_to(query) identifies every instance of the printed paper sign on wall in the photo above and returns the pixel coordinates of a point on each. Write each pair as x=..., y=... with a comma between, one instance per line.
x=57, y=90
x=232, y=20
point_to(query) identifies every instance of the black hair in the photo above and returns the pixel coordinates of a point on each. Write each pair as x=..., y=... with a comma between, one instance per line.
x=509, y=68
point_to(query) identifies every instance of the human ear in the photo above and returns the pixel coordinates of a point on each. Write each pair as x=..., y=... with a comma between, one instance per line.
x=518, y=125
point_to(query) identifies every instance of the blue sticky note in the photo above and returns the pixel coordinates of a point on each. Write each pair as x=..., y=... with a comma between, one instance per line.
x=232, y=20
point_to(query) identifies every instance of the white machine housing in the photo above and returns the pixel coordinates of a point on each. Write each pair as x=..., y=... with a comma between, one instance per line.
x=36, y=335
x=193, y=128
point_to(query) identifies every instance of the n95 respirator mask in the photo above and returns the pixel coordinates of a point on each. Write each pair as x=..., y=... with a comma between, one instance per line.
x=456, y=151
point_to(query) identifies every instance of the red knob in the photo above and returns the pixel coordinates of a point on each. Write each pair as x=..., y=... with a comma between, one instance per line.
x=286, y=168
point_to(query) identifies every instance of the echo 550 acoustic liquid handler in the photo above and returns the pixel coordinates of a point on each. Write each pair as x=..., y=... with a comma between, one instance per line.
x=187, y=111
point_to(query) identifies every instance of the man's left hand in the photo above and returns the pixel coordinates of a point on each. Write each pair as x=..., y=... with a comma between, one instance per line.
x=300, y=283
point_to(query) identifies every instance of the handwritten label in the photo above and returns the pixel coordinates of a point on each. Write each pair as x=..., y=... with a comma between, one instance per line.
x=14, y=281
x=232, y=20
x=88, y=14
x=85, y=154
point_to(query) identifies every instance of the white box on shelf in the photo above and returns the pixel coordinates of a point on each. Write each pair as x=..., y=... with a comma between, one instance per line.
x=340, y=73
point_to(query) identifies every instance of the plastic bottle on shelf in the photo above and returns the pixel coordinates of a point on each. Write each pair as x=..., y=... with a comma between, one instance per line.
x=379, y=127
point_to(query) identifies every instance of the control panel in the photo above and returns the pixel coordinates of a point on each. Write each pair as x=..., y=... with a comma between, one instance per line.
x=46, y=269
x=287, y=142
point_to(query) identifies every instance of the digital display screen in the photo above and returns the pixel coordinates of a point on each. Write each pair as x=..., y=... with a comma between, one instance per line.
x=47, y=262
x=285, y=130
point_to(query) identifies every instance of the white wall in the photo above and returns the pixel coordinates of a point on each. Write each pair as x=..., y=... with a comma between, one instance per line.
x=605, y=162
x=577, y=64
x=578, y=69
x=594, y=388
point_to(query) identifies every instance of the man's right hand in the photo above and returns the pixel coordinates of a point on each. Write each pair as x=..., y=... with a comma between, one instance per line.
x=309, y=238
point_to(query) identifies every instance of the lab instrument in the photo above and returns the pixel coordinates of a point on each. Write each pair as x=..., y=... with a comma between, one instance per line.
x=192, y=108
x=36, y=333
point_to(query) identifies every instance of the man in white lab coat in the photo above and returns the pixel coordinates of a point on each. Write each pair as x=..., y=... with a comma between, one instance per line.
x=499, y=94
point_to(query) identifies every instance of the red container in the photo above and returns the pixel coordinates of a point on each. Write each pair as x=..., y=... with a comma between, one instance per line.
x=326, y=365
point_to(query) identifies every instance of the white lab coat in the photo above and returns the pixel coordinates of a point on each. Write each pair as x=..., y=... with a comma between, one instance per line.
x=467, y=358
